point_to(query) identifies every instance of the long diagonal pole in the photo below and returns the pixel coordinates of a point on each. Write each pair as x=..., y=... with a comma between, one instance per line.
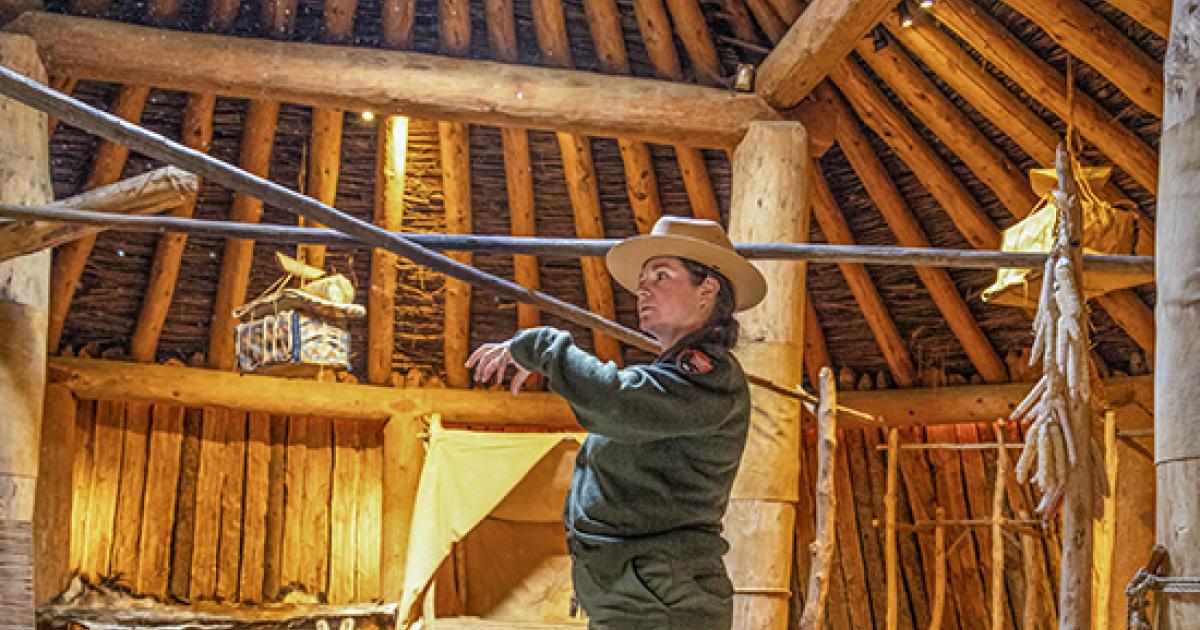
x=92, y=120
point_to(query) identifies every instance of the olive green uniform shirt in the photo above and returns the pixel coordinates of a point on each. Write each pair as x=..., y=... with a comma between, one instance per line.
x=664, y=444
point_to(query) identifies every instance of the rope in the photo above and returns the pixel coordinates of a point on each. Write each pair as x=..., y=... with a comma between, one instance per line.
x=1148, y=579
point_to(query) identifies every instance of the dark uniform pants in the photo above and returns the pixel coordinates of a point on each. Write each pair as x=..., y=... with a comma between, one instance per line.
x=653, y=591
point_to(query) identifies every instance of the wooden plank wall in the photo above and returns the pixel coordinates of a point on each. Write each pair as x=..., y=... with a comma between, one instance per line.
x=195, y=504
x=959, y=482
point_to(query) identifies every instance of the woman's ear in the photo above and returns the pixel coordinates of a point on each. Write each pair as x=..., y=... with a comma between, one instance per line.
x=709, y=289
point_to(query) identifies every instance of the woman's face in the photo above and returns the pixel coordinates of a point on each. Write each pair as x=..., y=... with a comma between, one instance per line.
x=669, y=304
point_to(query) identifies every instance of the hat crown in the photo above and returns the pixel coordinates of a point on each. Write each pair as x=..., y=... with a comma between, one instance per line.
x=699, y=229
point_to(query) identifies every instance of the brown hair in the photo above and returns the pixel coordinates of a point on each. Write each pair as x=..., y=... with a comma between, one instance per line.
x=720, y=327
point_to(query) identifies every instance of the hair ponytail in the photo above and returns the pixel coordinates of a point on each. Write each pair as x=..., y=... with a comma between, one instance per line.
x=720, y=327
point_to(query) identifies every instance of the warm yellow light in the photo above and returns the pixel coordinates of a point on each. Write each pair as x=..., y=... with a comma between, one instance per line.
x=368, y=116
x=925, y=4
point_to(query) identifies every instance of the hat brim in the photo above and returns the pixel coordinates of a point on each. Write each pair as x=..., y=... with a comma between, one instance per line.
x=625, y=261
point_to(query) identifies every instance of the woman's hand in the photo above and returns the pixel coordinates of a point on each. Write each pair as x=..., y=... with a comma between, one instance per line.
x=493, y=359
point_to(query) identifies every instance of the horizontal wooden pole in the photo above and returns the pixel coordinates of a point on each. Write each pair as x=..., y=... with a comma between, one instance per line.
x=148, y=193
x=574, y=247
x=199, y=387
x=394, y=82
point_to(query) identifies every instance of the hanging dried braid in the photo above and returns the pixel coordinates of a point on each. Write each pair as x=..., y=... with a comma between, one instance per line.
x=721, y=327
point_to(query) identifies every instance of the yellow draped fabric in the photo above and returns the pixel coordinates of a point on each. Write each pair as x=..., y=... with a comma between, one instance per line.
x=1106, y=230
x=466, y=476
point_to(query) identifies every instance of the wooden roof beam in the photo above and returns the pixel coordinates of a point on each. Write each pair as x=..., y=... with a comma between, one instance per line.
x=1153, y=14
x=837, y=231
x=878, y=113
x=71, y=258
x=814, y=46
x=1096, y=42
x=951, y=126
x=395, y=82
x=908, y=231
x=1043, y=82
x=694, y=34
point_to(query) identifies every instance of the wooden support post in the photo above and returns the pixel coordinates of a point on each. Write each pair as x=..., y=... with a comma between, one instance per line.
x=71, y=258
x=837, y=231
x=1176, y=396
x=453, y=138
x=816, y=353
x=398, y=19
x=1105, y=543
x=909, y=232
x=53, y=527
x=1075, y=581
x=890, y=557
x=258, y=138
x=937, y=607
x=769, y=200
x=403, y=456
x=390, y=158
x=826, y=506
x=998, y=607
x=1098, y=43
x=24, y=293
x=324, y=162
x=145, y=194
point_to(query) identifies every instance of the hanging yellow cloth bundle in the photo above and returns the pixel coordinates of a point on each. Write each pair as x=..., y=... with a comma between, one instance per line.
x=1106, y=230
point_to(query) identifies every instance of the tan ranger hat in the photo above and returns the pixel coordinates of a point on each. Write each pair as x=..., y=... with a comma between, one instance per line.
x=695, y=239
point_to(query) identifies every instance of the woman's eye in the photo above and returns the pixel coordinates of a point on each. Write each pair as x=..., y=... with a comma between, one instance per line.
x=662, y=275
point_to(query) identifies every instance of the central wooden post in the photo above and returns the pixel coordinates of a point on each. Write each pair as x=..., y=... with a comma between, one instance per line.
x=1176, y=370
x=24, y=299
x=769, y=203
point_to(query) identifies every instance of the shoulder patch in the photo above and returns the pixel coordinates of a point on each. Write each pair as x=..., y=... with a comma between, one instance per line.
x=692, y=361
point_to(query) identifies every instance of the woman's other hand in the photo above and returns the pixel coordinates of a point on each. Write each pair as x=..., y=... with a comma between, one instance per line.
x=492, y=360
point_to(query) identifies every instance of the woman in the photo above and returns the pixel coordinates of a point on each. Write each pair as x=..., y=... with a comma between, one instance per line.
x=652, y=479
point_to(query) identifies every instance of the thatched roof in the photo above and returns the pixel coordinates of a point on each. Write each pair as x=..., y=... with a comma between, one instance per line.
x=106, y=304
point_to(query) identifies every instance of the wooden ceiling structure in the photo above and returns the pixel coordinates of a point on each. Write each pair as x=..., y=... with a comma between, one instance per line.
x=921, y=135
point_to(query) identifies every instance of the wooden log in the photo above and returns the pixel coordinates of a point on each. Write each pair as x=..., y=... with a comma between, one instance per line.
x=908, y=231
x=393, y=82
x=1153, y=14
x=694, y=171
x=814, y=46
x=398, y=19
x=325, y=159
x=158, y=510
x=1096, y=42
x=258, y=138
x=737, y=15
x=53, y=528
x=278, y=17
x=693, y=32
x=403, y=456
x=938, y=607
x=948, y=123
x=589, y=223
x=768, y=20
x=106, y=477
x=519, y=183
x=390, y=163
x=1176, y=446
x=641, y=185
x=837, y=231
x=1104, y=545
x=315, y=516
x=770, y=199
x=980, y=497
x=168, y=255
x=869, y=540
x=876, y=111
x=816, y=353
x=277, y=489
x=456, y=180
x=206, y=534
x=858, y=584
x=294, y=530
x=963, y=577
x=339, y=21
x=1075, y=582
x=655, y=28
x=343, y=513
x=891, y=556
x=251, y=575
x=131, y=495
x=71, y=257
x=368, y=536
x=998, y=605
x=1044, y=83
x=826, y=507
x=144, y=194
x=1132, y=315
x=183, y=541
x=232, y=508
x=24, y=289
x=913, y=601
